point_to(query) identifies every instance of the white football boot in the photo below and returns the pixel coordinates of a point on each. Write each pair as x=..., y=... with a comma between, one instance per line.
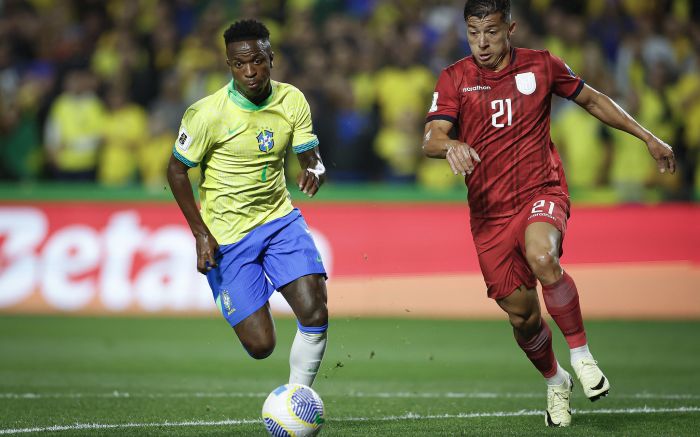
x=595, y=384
x=558, y=404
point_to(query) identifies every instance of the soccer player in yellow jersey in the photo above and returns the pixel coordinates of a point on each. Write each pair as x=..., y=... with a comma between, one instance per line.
x=247, y=229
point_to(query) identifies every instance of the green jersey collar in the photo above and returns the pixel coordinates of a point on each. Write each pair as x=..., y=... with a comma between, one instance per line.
x=242, y=102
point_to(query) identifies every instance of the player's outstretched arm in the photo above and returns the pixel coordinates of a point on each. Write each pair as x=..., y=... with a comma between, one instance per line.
x=182, y=191
x=313, y=172
x=438, y=144
x=606, y=110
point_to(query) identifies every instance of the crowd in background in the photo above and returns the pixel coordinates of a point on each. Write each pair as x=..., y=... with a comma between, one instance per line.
x=94, y=90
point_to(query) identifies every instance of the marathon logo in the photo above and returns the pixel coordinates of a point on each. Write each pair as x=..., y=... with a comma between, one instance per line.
x=476, y=88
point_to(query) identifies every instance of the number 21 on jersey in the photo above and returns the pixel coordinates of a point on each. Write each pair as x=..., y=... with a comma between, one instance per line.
x=537, y=207
x=503, y=115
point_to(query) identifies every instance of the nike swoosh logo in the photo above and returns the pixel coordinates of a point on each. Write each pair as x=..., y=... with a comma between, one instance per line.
x=550, y=422
x=600, y=384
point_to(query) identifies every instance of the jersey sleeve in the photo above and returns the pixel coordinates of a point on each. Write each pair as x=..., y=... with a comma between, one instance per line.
x=193, y=140
x=303, y=137
x=445, y=105
x=565, y=83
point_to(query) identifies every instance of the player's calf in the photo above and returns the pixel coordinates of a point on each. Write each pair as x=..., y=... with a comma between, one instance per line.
x=307, y=352
x=562, y=301
x=538, y=349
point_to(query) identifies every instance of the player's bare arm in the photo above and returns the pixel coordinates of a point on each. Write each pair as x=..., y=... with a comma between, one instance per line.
x=438, y=144
x=182, y=191
x=606, y=110
x=313, y=172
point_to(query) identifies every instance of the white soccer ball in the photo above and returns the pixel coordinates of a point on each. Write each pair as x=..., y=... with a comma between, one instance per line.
x=293, y=410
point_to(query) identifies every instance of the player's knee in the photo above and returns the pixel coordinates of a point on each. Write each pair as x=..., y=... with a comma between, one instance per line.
x=260, y=349
x=542, y=260
x=526, y=325
x=318, y=316
x=518, y=322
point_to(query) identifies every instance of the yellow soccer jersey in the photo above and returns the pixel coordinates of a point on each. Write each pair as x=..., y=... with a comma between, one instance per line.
x=241, y=148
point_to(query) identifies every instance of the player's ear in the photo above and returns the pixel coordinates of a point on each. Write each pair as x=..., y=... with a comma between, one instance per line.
x=511, y=28
x=272, y=56
x=228, y=62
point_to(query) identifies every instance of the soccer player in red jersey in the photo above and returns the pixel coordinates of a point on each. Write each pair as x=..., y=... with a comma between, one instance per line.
x=499, y=101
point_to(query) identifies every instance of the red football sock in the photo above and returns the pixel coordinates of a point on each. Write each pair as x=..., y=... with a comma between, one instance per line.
x=561, y=300
x=539, y=350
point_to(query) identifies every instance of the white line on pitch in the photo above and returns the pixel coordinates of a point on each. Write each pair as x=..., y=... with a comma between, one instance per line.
x=407, y=416
x=387, y=395
x=83, y=426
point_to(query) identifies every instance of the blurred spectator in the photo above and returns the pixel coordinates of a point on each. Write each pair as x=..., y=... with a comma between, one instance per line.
x=396, y=145
x=125, y=132
x=404, y=84
x=631, y=170
x=566, y=37
x=584, y=143
x=20, y=130
x=154, y=153
x=74, y=129
x=435, y=176
x=348, y=133
x=169, y=106
x=367, y=67
x=585, y=147
x=201, y=58
x=609, y=26
x=402, y=88
x=119, y=57
x=684, y=98
x=163, y=124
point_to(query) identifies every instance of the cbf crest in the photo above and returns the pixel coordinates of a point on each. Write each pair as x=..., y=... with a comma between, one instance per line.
x=265, y=140
x=226, y=303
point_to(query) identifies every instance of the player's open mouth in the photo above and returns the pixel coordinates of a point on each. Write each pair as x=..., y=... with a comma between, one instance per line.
x=253, y=84
x=484, y=56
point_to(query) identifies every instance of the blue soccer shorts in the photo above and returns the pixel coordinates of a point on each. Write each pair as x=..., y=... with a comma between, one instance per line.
x=281, y=250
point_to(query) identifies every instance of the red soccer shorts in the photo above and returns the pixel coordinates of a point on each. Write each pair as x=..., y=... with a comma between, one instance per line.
x=500, y=243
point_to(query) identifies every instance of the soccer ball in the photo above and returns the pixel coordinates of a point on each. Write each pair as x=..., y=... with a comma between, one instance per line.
x=293, y=410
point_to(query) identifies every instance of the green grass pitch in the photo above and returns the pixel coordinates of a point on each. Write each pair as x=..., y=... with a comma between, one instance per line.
x=380, y=377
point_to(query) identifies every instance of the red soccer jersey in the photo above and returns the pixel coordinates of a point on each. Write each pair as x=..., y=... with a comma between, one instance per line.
x=505, y=117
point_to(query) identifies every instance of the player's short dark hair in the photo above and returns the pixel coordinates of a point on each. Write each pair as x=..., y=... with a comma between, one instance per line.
x=482, y=8
x=245, y=30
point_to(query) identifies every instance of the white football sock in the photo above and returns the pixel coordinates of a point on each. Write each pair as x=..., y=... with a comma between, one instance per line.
x=578, y=353
x=559, y=378
x=305, y=356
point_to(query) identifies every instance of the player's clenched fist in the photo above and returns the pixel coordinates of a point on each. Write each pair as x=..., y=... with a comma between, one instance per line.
x=663, y=154
x=313, y=172
x=462, y=158
x=206, y=252
x=311, y=179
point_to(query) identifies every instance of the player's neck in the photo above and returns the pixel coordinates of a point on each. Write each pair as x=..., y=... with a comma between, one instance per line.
x=502, y=64
x=505, y=62
x=260, y=98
